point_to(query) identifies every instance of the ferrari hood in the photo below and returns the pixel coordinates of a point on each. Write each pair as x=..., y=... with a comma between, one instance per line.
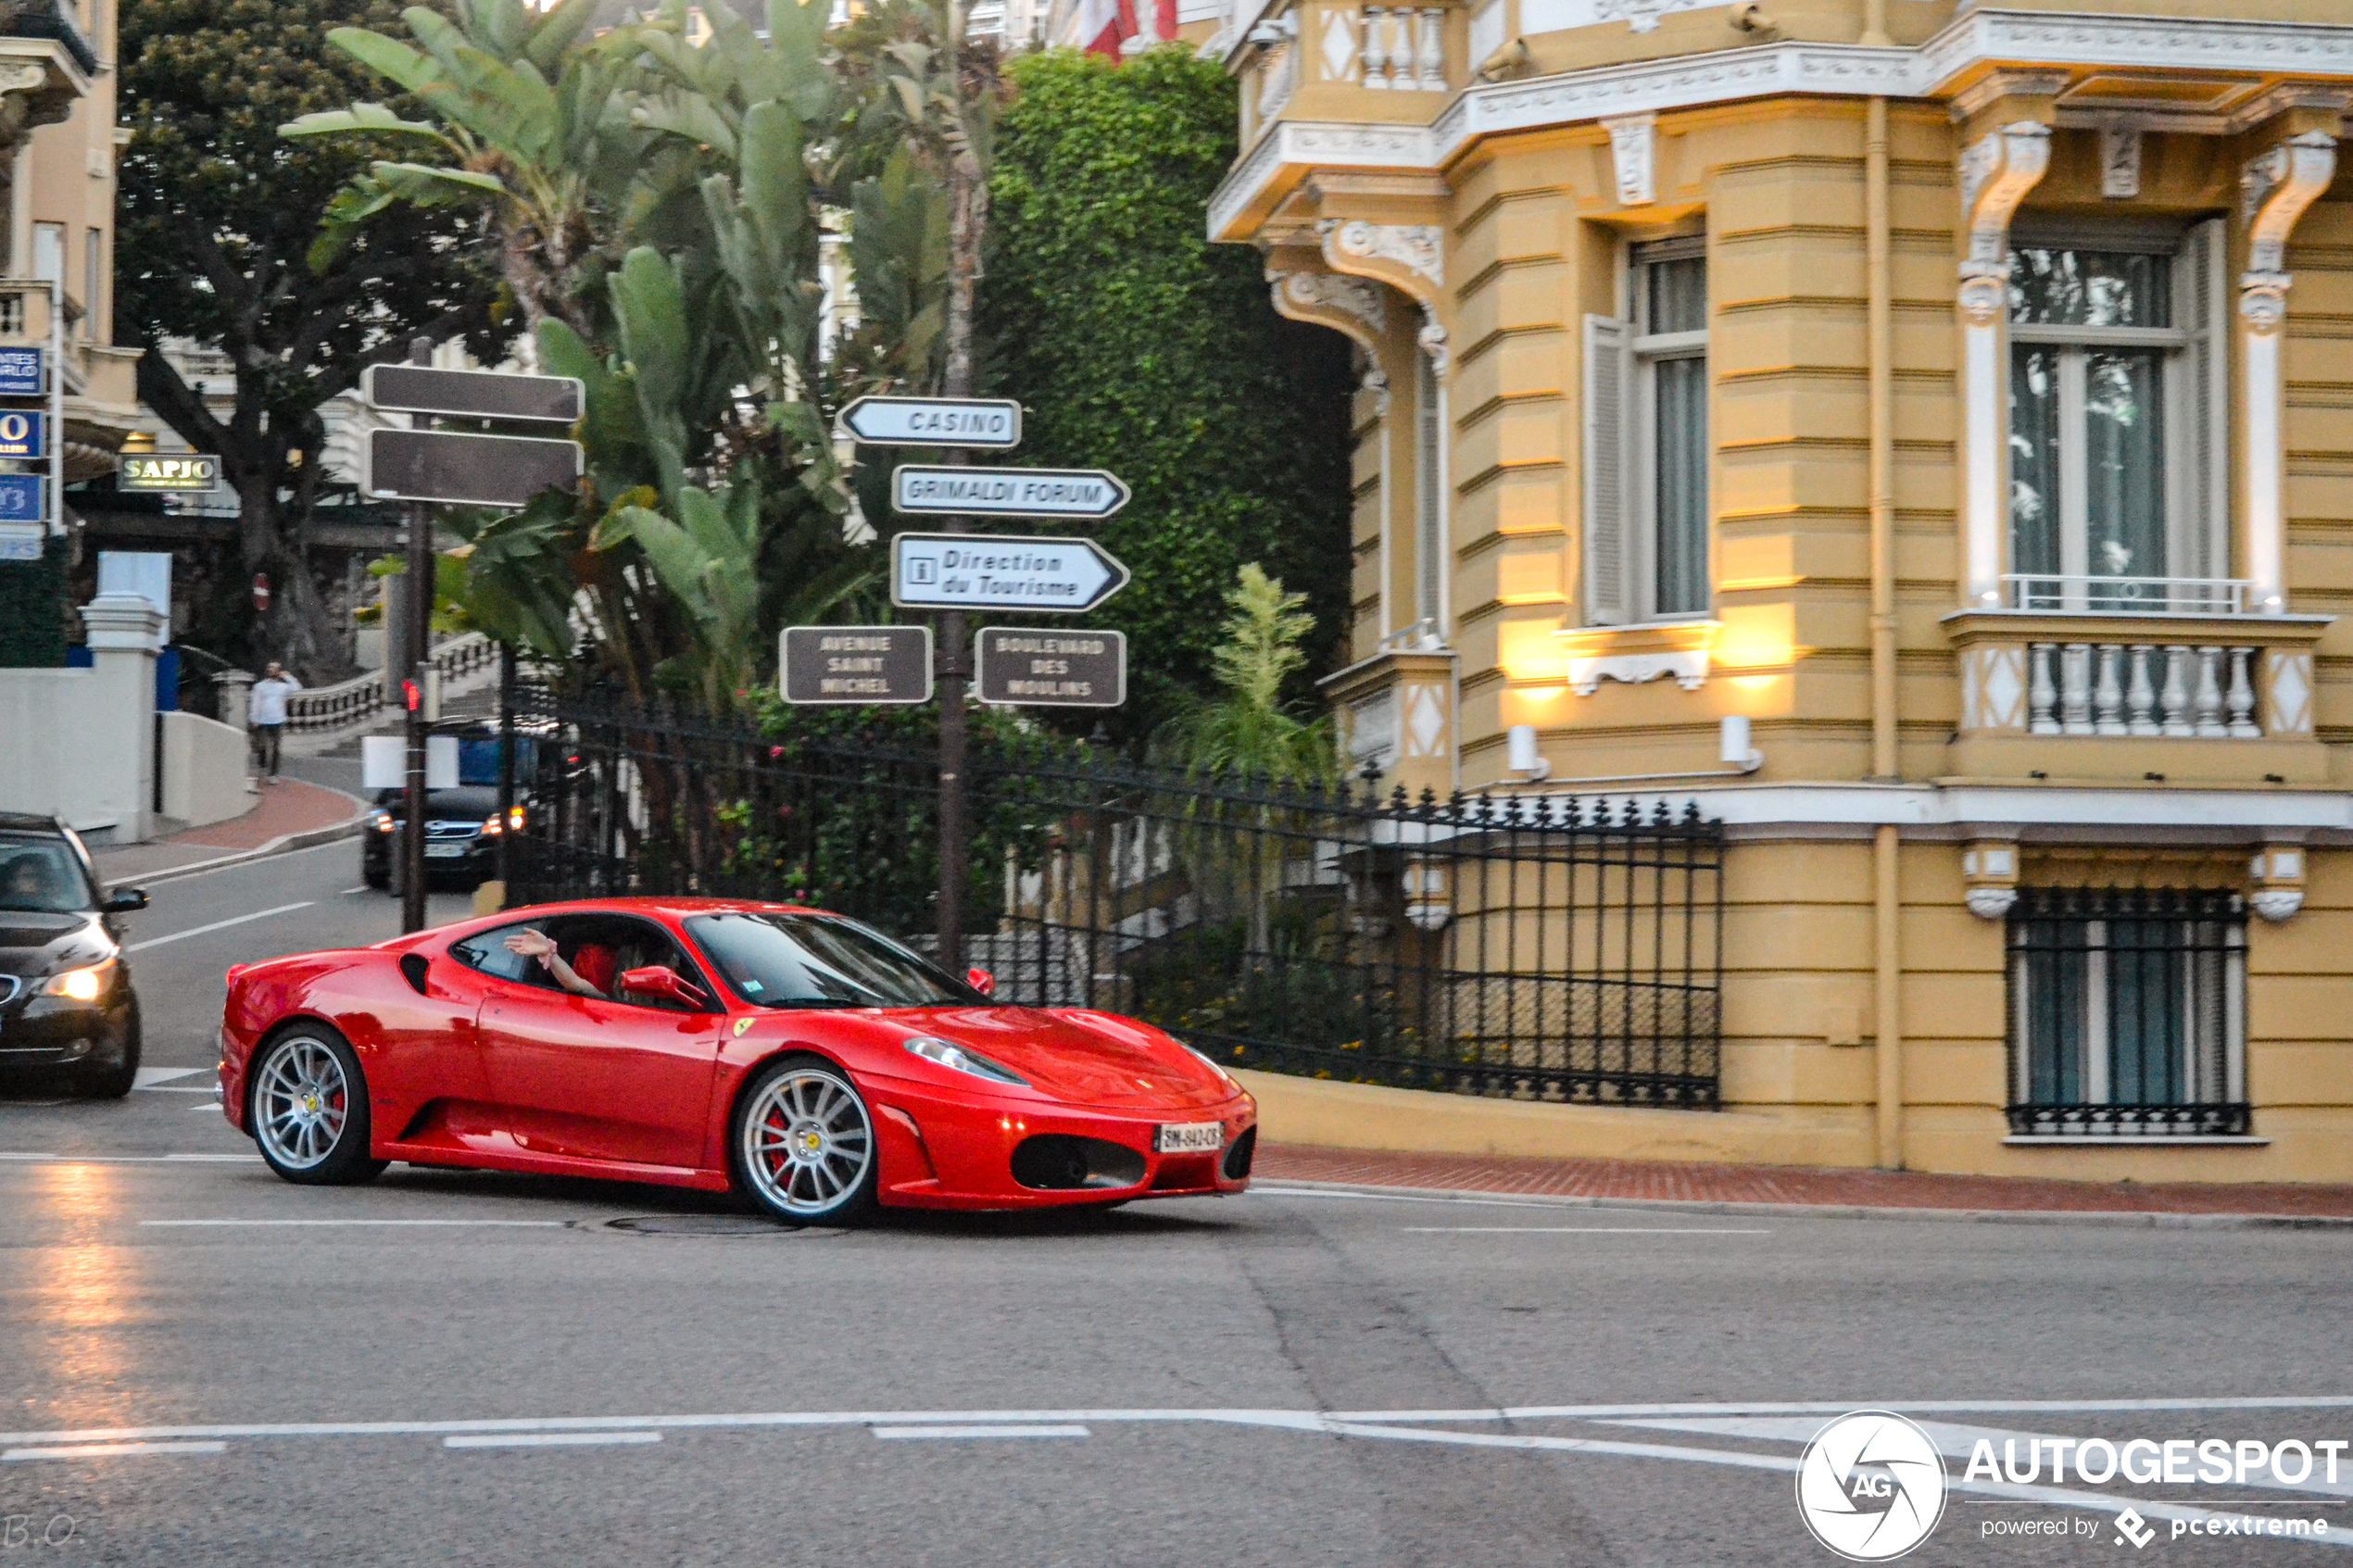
x=1084, y=1058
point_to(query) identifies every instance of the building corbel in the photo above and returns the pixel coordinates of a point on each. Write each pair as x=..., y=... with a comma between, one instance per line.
x=1997, y=170
x=1989, y=874
x=2277, y=872
x=1633, y=145
x=1411, y=256
x=2275, y=187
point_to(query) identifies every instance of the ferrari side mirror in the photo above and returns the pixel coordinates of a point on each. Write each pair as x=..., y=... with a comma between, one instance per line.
x=126, y=901
x=981, y=981
x=655, y=981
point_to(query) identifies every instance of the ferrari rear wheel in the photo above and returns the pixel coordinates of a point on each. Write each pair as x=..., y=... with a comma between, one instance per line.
x=310, y=1108
x=804, y=1146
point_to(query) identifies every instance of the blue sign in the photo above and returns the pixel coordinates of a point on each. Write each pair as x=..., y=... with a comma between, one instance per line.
x=20, y=433
x=21, y=496
x=21, y=372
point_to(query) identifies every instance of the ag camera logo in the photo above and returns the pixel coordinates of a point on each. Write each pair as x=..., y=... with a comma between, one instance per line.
x=1870, y=1486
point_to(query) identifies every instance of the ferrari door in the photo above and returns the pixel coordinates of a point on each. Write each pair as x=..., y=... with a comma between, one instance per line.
x=594, y=1078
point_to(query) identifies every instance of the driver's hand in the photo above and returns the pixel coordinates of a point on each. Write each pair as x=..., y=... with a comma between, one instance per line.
x=531, y=944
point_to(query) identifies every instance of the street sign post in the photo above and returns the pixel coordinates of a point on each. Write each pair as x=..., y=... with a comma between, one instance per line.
x=855, y=664
x=1087, y=494
x=20, y=433
x=460, y=468
x=177, y=473
x=993, y=424
x=1028, y=666
x=471, y=394
x=994, y=571
x=20, y=373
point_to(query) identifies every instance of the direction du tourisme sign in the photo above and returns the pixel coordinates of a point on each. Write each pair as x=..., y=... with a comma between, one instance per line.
x=992, y=571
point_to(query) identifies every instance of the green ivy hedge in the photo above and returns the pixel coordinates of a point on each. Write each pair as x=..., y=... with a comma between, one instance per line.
x=1139, y=347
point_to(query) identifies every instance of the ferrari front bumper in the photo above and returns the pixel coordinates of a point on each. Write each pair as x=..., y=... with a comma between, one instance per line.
x=945, y=1150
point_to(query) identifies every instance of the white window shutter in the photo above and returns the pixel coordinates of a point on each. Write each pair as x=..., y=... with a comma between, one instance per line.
x=2207, y=300
x=1607, y=601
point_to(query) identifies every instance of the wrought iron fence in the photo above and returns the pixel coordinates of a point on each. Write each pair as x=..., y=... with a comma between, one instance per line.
x=1537, y=947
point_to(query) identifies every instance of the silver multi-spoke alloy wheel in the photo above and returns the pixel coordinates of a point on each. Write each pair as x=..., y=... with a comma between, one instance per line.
x=300, y=1102
x=807, y=1144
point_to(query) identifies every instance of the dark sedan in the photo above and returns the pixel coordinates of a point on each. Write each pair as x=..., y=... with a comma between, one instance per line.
x=65, y=1002
x=462, y=837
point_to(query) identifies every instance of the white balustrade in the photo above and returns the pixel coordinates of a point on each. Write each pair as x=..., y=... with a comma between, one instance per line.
x=2141, y=689
x=1403, y=48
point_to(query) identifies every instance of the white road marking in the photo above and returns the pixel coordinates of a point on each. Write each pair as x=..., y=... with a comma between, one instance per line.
x=148, y=1077
x=1380, y=1426
x=349, y=891
x=113, y=1450
x=1578, y=1230
x=1058, y=1429
x=1295, y=1420
x=214, y=1106
x=2096, y=1502
x=526, y=1224
x=548, y=1439
x=1952, y=1439
x=217, y=926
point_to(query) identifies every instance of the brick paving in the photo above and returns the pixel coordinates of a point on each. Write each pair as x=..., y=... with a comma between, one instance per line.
x=287, y=806
x=1791, y=1184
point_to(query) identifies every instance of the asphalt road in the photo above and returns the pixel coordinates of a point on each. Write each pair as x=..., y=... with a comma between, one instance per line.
x=202, y=1365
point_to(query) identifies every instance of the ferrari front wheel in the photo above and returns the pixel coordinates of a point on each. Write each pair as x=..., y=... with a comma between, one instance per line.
x=804, y=1146
x=310, y=1108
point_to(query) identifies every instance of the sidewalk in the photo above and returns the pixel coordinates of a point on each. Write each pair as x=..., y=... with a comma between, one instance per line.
x=281, y=811
x=1628, y=1180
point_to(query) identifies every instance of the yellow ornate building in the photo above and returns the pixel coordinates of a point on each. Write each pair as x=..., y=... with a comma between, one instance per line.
x=1958, y=400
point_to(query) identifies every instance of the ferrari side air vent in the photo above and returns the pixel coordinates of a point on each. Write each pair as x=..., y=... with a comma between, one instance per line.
x=1237, y=1162
x=1058, y=1162
x=413, y=967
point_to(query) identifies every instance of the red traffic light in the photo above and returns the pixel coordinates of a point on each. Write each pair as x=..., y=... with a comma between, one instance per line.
x=411, y=695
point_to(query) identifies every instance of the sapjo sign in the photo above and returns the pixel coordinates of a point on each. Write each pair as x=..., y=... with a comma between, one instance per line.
x=186, y=472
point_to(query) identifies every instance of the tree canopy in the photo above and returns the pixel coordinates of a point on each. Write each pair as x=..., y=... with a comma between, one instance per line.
x=217, y=220
x=1141, y=348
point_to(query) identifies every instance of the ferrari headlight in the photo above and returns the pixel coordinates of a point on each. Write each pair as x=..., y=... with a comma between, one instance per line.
x=1223, y=1077
x=956, y=1059
x=81, y=984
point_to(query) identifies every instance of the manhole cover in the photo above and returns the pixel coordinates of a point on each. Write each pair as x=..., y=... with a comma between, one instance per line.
x=708, y=1224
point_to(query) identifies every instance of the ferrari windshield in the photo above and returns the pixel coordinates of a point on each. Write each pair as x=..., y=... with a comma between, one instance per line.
x=789, y=960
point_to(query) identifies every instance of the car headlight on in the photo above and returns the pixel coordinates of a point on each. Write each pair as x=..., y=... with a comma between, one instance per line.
x=493, y=824
x=956, y=1059
x=84, y=984
x=383, y=822
x=1223, y=1077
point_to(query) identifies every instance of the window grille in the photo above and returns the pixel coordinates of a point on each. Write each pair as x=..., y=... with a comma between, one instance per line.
x=2127, y=1012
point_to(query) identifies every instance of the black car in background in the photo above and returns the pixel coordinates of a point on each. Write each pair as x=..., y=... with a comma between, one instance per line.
x=65, y=1002
x=462, y=827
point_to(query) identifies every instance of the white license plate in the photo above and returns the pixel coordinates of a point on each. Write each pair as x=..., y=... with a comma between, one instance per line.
x=1190, y=1138
x=444, y=852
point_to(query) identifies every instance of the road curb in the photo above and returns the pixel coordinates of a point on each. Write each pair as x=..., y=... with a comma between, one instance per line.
x=2113, y=1218
x=309, y=838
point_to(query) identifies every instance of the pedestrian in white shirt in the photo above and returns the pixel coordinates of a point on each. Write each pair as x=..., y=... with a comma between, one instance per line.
x=266, y=715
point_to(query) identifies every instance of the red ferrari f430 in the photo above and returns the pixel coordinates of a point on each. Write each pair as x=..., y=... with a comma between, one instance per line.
x=797, y=1057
